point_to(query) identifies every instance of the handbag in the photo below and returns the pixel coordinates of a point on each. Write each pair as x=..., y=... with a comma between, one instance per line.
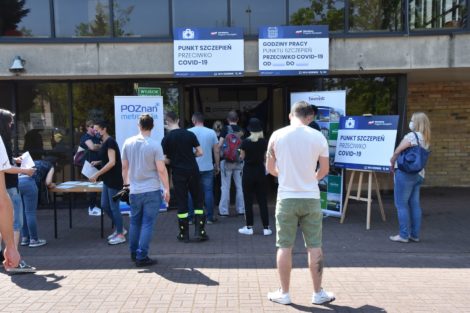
x=413, y=159
x=79, y=157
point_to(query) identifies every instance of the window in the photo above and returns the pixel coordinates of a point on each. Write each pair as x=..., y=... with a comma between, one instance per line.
x=375, y=15
x=31, y=19
x=251, y=14
x=82, y=18
x=145, y=18
x=317, y=12
x=201, y=13
x=428, y=14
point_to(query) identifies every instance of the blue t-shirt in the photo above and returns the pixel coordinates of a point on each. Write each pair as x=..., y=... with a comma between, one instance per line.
x=207, y=139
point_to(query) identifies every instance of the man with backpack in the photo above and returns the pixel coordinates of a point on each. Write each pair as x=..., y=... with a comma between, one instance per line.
x=231, y=165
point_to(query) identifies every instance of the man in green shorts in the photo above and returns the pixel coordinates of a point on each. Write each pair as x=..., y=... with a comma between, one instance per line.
x=293, y=153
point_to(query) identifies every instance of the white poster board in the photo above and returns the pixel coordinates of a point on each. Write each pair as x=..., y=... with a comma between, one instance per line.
x=366, y=142
x=127, y=110
x=331, y=106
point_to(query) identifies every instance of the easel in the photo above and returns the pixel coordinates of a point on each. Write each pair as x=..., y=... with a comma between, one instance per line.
x=358, y=195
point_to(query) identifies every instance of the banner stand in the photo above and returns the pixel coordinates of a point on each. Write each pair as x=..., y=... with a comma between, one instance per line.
x=358, y=197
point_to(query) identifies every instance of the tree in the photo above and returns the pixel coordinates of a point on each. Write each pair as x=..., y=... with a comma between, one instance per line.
x=321, y=12
x=11, y=13
x=100, y=26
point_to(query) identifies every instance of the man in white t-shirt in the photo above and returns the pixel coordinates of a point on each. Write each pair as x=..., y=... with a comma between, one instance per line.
x=292, y=156
x=10, y=253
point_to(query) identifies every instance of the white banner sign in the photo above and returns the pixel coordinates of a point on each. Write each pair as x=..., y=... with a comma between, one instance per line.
x=208, y=52
x=127, y=110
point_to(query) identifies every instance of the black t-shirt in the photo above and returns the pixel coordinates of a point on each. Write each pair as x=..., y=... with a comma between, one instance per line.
x=113, y=177
x=178, y=146
x=254, y=151
x=90, y=155
x=11, y=180
x=315, y=125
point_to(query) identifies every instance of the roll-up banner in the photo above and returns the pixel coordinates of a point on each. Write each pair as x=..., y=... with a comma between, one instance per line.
x=331, y=106
x=208, y=52
x=127, y=110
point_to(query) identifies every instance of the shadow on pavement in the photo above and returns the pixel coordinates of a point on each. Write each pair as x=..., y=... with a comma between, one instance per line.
x=37, y=282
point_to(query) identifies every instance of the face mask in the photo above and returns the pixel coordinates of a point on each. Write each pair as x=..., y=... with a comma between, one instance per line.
x=411, y=125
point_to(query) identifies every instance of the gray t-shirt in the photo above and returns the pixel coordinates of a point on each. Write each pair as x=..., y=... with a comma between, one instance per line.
x=142, y=153
x=207, y=139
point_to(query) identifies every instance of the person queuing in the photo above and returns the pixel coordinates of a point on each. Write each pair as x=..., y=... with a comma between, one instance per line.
x=407, y=185
x=144, y=173
x=111, y=174
x=230, y=168
x=9, y=257
x=29, y=189
x=253, y=151
x=11, y=182
x=208, y=163
x=91, y=143
x=181, y=148
x=293, y=153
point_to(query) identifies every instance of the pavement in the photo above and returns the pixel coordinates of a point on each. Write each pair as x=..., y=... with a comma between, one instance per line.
x=80, y=272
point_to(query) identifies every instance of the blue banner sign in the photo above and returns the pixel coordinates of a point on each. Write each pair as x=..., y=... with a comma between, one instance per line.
x=366, y=142
x=206, y=51
x=293, y=50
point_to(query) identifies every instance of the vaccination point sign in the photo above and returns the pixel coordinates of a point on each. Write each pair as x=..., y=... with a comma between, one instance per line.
x=366, y=142
x=293, y=50
x=208, y=52
x=127, y=110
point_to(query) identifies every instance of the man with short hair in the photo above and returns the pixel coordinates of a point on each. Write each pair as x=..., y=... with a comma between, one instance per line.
x=181, y=148
x=292, y=155
x=208, y=140
x=11, y=257
x=144, y=173
x=229, y=169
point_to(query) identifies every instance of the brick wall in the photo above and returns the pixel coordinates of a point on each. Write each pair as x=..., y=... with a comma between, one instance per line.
x=447, y=104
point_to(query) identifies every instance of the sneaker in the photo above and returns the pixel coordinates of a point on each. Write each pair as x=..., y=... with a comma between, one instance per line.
x=145, y=262
x=211, y=221
x=37, y=243
x=241, y=213
x=223, y=215
x=414, y=239
x=246, y=231
x=117, y=240
x=22, y=268
x=161, y=210
x=96, y=211
x=124, y=232
x=397, y=238
x=190, y=222
x=267, y=232
x=24, y=241
x=322, y=297
x=279, y=297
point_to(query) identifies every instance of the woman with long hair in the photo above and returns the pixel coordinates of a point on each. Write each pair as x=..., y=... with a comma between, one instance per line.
x=407, y=185
x=111, y=174
x=253, y=152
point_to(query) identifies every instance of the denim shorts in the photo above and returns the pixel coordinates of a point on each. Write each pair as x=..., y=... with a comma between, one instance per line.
x=292, y=212
x=17, y=208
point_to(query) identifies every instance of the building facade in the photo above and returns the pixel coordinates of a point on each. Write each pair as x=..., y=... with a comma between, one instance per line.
x=392, y=57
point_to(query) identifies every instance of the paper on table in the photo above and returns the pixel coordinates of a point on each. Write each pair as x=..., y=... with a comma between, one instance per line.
x=26, y=160
x=89, y=170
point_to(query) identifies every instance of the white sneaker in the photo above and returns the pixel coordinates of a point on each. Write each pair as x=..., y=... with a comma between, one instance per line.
x=117, y=240
x=267, y=232
x=246, y=231
x=124, y=232
x=322, y=297
x=96, y=211
x=279, y=297
x=398, y=238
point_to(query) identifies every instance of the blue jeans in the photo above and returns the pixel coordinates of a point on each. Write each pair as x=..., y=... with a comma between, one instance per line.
x=227, y=170
x=29, y=195
x=407, y=203
x=144, y=210
x=207, y=186
x=111, y=207
x=17, y=208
